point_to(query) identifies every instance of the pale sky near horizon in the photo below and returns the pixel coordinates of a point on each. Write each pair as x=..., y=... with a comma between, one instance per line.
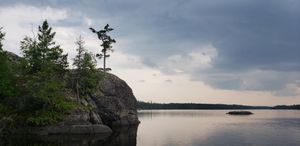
x=231, y=52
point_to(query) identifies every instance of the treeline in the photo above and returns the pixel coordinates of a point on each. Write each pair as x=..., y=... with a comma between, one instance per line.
x=296, y=107
x=148, y=105
x=35, y=89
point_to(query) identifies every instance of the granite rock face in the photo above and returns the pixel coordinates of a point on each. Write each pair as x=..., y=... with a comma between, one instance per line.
x=115, y=102
x=112, y=104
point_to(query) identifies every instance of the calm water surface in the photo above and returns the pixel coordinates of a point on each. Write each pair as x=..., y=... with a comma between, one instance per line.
x=191, y=128
x=215, y=128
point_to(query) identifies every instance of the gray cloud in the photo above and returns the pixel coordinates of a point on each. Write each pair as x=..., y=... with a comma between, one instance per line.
x=258, y=42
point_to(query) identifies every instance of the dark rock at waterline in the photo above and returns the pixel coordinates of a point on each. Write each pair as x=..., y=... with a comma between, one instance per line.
x=54, y=140
x=66, y=129
x=122, y=136
x=239, y=113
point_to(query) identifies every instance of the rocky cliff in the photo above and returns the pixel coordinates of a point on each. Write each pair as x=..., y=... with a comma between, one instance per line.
x=112, y=104
x=115, y=102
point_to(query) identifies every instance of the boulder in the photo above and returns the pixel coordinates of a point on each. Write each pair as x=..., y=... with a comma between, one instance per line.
x=115, y=102
x=112, y=104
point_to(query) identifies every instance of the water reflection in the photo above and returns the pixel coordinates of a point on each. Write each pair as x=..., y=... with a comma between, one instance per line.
x=125, y=136
x=176, y=113
x=121, y=137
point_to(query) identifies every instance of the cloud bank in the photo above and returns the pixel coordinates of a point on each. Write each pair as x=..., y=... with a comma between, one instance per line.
x=242, y=45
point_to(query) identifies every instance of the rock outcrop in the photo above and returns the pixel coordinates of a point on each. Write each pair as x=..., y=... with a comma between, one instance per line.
x=115, y=102
x=112, y=104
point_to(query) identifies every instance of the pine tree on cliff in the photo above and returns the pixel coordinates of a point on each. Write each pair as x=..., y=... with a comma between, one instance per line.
x=50, y=51
x=106, y=44
x=43, y=71
x=86, y=75
x=43, y=53
x=78, y=64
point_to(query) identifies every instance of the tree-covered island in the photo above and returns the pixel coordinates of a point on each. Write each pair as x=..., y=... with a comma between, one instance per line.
x=40, y=90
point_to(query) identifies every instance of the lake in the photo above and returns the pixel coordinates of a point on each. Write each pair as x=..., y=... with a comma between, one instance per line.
x=216, y=128
x=191, y=128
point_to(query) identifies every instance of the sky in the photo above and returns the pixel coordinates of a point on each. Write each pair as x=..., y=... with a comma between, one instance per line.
x=231, y=52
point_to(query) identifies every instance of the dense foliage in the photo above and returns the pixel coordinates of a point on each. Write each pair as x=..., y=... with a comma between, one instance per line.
x=33, y=89
x=44, y=67
x=8, y=79
x=86, y=74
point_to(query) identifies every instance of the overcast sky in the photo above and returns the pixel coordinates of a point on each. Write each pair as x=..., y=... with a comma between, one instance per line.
x=217, y=51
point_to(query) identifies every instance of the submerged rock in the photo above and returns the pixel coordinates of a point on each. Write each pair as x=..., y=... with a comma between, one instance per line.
x=239, y=113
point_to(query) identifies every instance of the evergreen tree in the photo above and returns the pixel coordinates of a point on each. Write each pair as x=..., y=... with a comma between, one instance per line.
x=44, y=68
x=80, y=54
x=106, y=44
x=43, y=53
x=49, y=50
x=89, y=75
x=78, y=61
x=32, y=55
x=86, y=75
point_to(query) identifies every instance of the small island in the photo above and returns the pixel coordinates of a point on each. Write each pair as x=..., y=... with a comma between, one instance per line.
x=239, y=113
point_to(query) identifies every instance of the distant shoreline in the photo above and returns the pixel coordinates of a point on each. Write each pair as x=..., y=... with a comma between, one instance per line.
x=201, y=106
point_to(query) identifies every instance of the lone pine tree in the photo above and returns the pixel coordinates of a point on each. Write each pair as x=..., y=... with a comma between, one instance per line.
x=106, y=44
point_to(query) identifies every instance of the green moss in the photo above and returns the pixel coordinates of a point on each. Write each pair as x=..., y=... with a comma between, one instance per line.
x=51, y=115
x=44, y=117
x=4, y=110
